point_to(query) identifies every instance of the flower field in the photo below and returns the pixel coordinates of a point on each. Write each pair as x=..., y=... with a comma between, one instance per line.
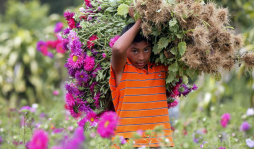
x=228, y=126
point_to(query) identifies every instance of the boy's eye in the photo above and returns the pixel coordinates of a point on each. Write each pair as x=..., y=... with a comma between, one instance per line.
x=135, y=51
x=146, y=50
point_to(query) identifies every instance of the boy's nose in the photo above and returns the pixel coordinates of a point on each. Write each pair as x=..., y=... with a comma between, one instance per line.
x=141, y=56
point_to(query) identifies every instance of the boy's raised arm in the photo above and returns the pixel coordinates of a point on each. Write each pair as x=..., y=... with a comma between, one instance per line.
x=120, y=48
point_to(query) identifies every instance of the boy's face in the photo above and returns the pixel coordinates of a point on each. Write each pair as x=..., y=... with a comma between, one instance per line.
x=139, y=53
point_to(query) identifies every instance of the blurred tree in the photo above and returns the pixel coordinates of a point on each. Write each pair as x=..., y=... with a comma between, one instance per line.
x=56, y=6
x=24, y=72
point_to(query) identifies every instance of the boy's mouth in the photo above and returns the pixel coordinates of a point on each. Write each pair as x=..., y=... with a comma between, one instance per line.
x=141, y=64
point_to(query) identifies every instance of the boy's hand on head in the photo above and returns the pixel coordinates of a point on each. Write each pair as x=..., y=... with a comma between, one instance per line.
x=131, y=12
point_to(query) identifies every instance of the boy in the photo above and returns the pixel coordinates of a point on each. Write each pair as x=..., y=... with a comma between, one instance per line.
x=138, y=88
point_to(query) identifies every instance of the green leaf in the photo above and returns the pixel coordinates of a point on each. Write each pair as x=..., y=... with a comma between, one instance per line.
x=181, y=71
x=162, y=57
x=174, y=28
x=174, y=51
x=163, y=43
x=173, y=67
x=156, y=50
x=123, y=9
x=136, y=16
x=192, y=73
x=180, y=36
x=171, y=77
x=172, y=22
x=185, y=80
x=156, y=33
x=157, y=60
x=182, y=48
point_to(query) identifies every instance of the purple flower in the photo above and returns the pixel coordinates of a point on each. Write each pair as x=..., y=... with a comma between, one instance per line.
x=65, y=43
x=94, y=52
x=186, y=90
x=58, y=130
x=66, y=31
x=194, y=87
x=49, y=54
x=123, y=141
x=76, y=47
x=95, y=71
x=40, y=44
x=68, y=15
x=250, y=143
x=72, y=72
x=25, y=108
x=197, y=136
x=85, y=109
x=99, y=8
x=58, y=27
x=81, y=76
x=71, y=88
x=221, y=147
x=1, y=140
x=77, y=140
x=245, y=126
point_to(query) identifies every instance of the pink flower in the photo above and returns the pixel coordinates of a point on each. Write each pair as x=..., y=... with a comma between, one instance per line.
x=69, y=99
x=75, y=61
x=88, y=4
x=225, y=119
x=82, y=122
x=107, y=124
x=55, y=92
x=71, y=23
x=103, y=55
x=226, y=116
x=90, y=42
x=92, y=118
x=59, y=48
x=140, y=132
x=221, y=147
x=96, y=98
x=122, y=140
x=56, y=147
x=173, y=104
x=39, y=140
x=72, y=112
x=89, y=63
x=113, y=40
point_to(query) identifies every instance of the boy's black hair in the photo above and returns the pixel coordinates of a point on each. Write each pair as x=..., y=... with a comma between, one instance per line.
x=138, y=37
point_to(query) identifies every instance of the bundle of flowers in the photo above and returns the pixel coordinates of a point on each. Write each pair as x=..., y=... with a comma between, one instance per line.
x=46, y=46
x=89, y=37
x=190, y=37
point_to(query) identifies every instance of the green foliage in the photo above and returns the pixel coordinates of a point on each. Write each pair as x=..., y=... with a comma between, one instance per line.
x=123, y=9
x=25, y=73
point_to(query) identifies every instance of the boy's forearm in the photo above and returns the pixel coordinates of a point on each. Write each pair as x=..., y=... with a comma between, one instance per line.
x=122, y=44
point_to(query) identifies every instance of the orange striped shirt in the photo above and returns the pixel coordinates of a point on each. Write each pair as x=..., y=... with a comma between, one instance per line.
x=140, y=102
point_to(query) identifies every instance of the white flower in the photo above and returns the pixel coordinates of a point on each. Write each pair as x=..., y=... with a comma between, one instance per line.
x=167, y=140
x=143, y=147
x=81, y=9
x=250, y=112
x=35, y=105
